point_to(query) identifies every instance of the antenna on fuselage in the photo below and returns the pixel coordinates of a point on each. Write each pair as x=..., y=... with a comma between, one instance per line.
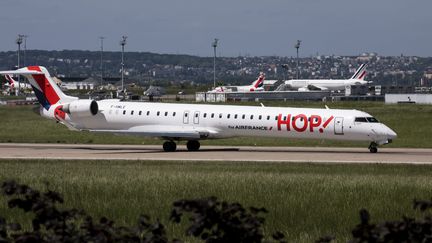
x=327, y=107
x=262, y=105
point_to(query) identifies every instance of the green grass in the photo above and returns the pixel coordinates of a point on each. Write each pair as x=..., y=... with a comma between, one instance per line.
x=305, y=200
x=411, y=122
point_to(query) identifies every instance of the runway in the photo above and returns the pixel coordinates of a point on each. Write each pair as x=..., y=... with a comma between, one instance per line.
x=214, y=153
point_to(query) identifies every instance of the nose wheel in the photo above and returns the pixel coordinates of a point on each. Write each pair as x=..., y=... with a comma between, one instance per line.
x=373, y=147
x=169, y=146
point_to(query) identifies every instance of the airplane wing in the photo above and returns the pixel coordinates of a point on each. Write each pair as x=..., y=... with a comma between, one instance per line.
x=315, y=87
x=161, y=131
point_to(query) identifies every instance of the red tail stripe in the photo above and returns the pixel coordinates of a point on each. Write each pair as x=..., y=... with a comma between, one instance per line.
x=45, y=86
x=362, y=75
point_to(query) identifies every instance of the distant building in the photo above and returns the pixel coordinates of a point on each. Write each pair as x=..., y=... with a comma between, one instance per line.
x=86, y=84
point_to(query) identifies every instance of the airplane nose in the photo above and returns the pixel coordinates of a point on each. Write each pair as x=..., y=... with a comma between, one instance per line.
x=390, y=133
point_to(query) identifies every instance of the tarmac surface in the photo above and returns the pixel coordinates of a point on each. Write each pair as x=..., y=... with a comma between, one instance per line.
x=215, y=153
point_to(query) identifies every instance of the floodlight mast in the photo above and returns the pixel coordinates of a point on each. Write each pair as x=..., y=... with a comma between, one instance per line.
x=297, y=46
x=214, y=45
x=101, y=58
x=122, y=43
x=19, y=41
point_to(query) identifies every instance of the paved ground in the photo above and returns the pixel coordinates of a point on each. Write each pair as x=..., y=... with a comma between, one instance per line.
x=215, y=153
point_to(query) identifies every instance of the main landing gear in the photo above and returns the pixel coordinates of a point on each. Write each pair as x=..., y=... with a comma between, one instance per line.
x=192, y=145
x=373, y=147
x=169, y=146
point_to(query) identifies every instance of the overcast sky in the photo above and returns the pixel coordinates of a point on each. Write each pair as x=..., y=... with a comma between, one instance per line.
x=254, y=27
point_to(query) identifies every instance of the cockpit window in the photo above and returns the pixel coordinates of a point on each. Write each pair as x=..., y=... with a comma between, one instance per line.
x=361, y=119
x=366, y=119
x=372, y=119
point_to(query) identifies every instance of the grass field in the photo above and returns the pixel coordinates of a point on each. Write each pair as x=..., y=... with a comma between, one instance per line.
x=305, y=200
x=411, y=122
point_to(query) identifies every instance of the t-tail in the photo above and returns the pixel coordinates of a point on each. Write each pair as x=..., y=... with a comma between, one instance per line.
x=360, y=74
x=54, y=103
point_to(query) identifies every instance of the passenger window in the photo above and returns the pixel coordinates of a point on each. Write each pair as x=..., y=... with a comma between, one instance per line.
x=205, y=115
x=174, y=113
x=186, y=114
x=259, y=117
x=251, y=117
x=228, y=116
x=196, y=115
x=276, y=117
x=284, y=118
x=158, y=113
x=212, y=115
x=243, y=116
x=220, y=115
x=140, y=113
x=148, y=113
x=235, y=116
x=268, y=118
x=124, y=112
x=166, y=113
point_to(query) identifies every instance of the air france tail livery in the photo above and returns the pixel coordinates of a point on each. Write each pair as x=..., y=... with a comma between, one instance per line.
x=257, y=85
x=329, y=84
x=194, y=122
x=13, y=84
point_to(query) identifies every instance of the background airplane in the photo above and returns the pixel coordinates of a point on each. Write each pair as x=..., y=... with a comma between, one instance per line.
x=257, y=85
x=194, y=122
x=13, y=84
x=329, y=84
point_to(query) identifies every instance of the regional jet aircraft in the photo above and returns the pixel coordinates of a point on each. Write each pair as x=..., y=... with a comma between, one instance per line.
x=13, y=84
x=194, y=122
x=256, y=85
x=329, y=84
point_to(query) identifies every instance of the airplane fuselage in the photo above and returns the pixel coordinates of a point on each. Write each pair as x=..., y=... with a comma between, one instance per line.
x=222, y=121
x=323, y=84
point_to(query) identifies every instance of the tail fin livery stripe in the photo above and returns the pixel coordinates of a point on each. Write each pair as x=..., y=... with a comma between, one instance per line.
x=10, y=80
x=362, y=75
x=359, y=70
x=47, y=90
x=259, y=82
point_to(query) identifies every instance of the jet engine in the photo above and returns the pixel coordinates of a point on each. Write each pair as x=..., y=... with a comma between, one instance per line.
x=81, y=108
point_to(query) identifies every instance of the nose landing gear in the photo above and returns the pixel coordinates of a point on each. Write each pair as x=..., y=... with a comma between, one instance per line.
x=373, y=147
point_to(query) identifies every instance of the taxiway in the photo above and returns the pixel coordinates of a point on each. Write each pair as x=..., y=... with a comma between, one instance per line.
x=214, y=153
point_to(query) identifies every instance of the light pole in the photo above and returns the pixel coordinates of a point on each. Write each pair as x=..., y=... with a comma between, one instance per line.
x=19, y=41
x=297, y=46
x=122, y=43
x=101, y=59
x=214, y=44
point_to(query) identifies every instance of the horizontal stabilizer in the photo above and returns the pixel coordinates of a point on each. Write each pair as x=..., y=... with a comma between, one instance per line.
x=20, y=71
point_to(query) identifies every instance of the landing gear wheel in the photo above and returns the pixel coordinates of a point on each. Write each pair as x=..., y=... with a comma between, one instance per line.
x=193, y=145
x=373, y=147
x=169, y=146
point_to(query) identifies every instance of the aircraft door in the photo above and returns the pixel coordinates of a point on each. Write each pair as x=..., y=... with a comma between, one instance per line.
x=186, y=117
x=196, y=117
x=338, y=126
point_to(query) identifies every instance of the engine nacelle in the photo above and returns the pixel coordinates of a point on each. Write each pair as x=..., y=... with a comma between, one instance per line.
x=81, y=108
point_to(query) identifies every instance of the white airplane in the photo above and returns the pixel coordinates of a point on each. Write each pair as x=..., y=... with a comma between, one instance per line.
x=256, y=85
x=13, y=84
x=194, y=122
x=329, y=84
